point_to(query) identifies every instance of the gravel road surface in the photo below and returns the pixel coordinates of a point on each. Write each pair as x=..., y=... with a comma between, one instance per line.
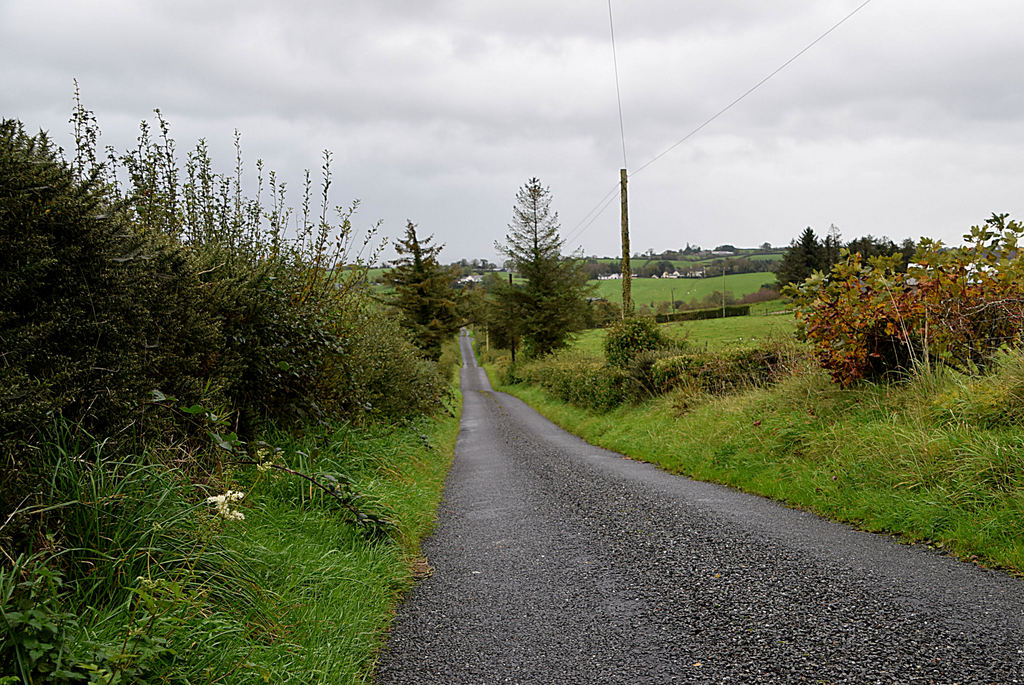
x=559, y=562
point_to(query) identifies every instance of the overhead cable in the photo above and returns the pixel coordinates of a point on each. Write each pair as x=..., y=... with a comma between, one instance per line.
x=750, y=90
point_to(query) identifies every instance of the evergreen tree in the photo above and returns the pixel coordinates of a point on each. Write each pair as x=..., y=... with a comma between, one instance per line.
x=804, y=256
x=831, y=246
x=552, y=303
x=424, y=292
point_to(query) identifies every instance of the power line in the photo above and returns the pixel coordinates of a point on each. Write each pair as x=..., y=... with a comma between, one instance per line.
x=618, y=95
x=602, y=204
x=750, y=90
x=590, y=217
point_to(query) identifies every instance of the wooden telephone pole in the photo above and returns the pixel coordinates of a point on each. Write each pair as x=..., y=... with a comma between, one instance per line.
x=513, y=336
x=627, y=273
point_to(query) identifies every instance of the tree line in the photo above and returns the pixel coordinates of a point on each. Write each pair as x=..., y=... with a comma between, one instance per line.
x=809, y=253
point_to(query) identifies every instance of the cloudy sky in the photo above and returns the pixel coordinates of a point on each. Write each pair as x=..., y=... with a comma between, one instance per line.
x=907, y=120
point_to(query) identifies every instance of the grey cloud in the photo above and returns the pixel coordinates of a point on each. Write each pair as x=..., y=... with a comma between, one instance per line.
x=906, y=120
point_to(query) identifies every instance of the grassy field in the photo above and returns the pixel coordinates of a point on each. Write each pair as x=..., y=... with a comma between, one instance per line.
x=710, y=334
x=748, y=253
x=909, y=460
x=650, y=291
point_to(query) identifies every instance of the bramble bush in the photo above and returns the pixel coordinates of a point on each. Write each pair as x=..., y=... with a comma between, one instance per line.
x=629, y=337
x=128, y=279
x=954, y=306
x=155, y=324
x=721, y=372
x=578, y=380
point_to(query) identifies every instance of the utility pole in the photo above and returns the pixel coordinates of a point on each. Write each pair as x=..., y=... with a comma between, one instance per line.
x=513, y=336
x=724, y=262
x=627, y=274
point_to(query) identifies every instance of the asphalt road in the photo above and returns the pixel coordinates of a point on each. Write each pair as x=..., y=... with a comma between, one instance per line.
x=559, y=562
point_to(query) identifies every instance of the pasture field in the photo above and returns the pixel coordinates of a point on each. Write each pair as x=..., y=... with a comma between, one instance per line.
x=752, y=255
x=650, y=291
x=733, y=331
x=709, y=334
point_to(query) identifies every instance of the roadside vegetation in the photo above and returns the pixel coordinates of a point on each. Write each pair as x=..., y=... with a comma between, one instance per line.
x=218, y=453
x=899, y=408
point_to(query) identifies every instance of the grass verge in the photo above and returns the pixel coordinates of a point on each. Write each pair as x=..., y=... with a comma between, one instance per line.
x=149, y=585
x=908, y=460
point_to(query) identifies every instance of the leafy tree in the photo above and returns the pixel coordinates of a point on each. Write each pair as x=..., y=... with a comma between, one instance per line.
x=956, y=306
x=804, y=256
x=424, y=292
x=655, y=268
x=552, y=303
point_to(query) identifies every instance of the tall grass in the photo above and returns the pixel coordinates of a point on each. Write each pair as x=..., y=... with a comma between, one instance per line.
x=147, y=584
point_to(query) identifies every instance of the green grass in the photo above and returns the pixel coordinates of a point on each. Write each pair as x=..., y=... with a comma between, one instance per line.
x=648, y=290
x=733, y=331
x=750, y=253
x=337, y=592
x=710, y=334
x=294, y=593
x=884, y=458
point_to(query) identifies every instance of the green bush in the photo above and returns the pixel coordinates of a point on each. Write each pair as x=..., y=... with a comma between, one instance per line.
x=182, y=290
x=376, y=370
x=718, y=372
x=629, y=337
x=578, y=380
x=95, y=311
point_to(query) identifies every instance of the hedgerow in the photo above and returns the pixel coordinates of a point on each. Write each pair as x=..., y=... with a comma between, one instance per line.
x=140, y=301
x=720, y=372
x=157, y=326
x=578, y=380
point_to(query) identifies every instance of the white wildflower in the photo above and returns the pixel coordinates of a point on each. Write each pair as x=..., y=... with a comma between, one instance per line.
x=265, y=458
x=223, y=505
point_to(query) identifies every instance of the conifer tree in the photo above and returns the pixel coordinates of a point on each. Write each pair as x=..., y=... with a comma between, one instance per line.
x=424, y=292
x=552, y=303
x=804, y=256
